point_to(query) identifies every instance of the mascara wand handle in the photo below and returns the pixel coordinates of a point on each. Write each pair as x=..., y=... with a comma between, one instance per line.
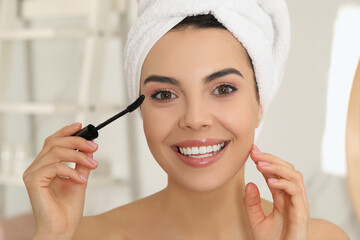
x=89, y=132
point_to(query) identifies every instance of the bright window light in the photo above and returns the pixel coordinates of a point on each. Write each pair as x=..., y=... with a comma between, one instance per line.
x=344, y=59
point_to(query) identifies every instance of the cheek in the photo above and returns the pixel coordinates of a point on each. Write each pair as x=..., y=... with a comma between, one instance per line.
x=158, y=123
x=238, y=117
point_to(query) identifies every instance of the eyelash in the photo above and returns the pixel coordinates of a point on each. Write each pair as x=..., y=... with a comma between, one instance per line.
x=233, y=89
x=156, y=96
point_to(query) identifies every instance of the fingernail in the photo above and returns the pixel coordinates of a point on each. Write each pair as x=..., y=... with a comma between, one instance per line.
x=256, y=152
x=76, y=124
x=93, y=161
x=263, y=163
x=271, y=180
x=83, y=178
x=92, y=144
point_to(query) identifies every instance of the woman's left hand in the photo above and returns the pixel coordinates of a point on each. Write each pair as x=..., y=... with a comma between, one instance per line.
x=290, y=215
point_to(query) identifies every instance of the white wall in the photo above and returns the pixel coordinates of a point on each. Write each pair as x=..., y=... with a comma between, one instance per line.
x=293, y=130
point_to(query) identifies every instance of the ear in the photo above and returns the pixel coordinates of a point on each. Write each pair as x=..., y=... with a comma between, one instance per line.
x=259, y=116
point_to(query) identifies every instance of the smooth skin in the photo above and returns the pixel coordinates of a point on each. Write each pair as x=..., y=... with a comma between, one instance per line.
x=198, y=203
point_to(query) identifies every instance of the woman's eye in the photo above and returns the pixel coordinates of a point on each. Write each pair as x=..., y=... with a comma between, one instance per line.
x=163, y=95
x=224, y=90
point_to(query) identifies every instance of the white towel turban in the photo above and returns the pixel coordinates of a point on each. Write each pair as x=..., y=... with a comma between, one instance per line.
x=262, y=26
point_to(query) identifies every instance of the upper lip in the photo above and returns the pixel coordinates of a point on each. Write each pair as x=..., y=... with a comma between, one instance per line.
x=199, y=142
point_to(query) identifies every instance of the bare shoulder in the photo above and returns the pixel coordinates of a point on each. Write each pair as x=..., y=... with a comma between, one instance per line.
x=320, y=229
x=120, y=223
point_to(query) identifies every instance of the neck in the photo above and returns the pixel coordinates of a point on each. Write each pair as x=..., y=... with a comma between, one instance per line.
x=215, y=214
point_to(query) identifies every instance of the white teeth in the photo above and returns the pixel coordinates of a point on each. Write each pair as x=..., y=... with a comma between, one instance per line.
x=206, y=151
x=195, y=150
x=202, y=150
x=188, y=151
x=216, y=147
x=203, y=156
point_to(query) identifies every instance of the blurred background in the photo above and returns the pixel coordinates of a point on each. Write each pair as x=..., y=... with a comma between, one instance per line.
x=61, y=62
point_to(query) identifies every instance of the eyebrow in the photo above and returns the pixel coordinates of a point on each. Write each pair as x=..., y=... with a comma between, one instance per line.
x=207, y=79
x=162, y=79
x=222, y=73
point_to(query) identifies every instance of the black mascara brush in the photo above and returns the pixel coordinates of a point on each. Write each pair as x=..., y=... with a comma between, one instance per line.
x=90, y=132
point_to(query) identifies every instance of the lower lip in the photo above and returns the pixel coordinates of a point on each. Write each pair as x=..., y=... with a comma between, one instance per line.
x=200, y=162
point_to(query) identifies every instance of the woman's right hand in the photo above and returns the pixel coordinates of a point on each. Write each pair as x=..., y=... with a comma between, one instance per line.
x=57, y=201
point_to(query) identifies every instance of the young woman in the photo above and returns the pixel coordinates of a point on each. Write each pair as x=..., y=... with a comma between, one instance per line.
x=199, y=116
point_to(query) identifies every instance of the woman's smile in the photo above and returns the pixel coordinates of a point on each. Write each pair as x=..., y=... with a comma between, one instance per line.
x=200, y=153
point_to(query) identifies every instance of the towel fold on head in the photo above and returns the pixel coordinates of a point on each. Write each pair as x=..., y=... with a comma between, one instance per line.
x=262, y=26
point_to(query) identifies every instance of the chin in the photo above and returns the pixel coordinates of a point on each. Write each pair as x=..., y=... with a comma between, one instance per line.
x=207, y=179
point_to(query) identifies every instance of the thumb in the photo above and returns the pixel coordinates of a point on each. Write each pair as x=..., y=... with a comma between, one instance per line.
x=253, y=205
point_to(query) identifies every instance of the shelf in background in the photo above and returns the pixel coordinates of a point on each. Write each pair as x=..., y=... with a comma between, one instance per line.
x=51, y=108
x=49, y=9
x=38, y=34
x=93, y=181
x=11, y=180
x=50, y=33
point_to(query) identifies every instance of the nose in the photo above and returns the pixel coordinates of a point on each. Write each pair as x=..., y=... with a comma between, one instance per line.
x=196, y=116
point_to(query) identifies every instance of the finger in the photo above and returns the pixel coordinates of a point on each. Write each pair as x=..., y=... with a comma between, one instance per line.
x=300, y=210
x=261, y=159
x=296, y=207
x=266, y=175
x=264, y=159
x=43, y=177
x=281, y=171
x=280, y=200
x=258, y=162
x=82, y=170
x=284, y=172
x=66, y=131
x=61, y=154
x=277, y=194
x=73, y=143
x=253, y=205
x=257, y=156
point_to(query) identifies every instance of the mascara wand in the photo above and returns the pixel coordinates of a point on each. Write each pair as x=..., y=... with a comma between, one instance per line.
x=90, y=132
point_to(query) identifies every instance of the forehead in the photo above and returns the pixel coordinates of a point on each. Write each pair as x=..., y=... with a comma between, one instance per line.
x=194, y=50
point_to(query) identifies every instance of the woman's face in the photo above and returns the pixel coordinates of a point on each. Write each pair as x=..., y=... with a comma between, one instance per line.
x=201, y=108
